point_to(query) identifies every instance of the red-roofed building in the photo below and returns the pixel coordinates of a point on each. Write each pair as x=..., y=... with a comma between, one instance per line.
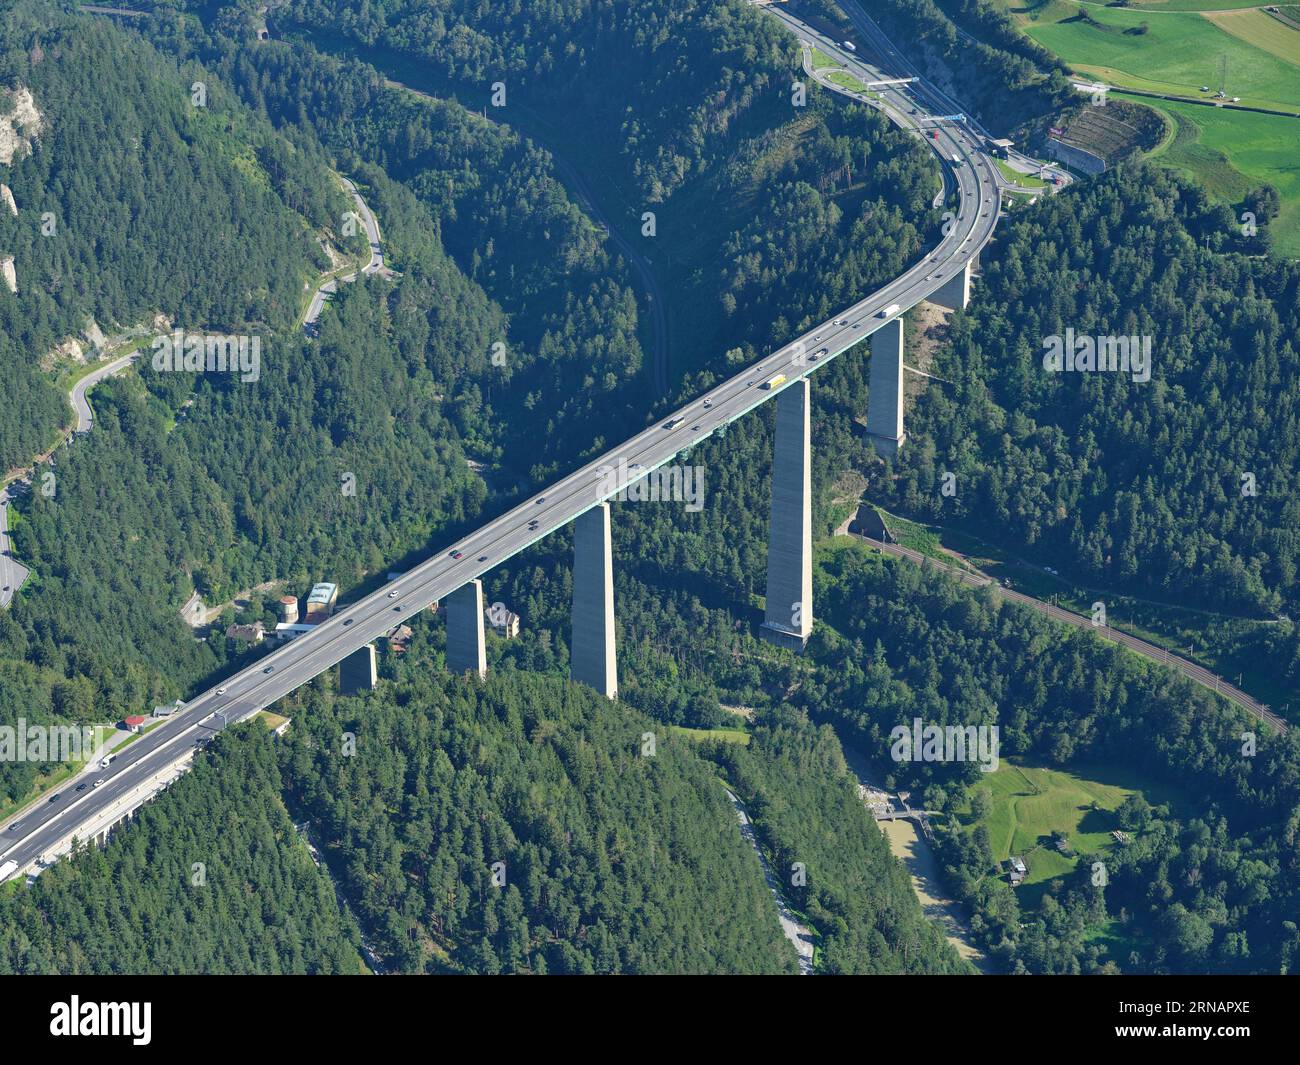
x=135, y=722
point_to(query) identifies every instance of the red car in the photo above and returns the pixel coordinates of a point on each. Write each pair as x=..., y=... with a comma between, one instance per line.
x=458, y=554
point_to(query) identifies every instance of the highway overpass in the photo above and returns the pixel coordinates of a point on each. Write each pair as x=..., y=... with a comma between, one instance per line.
x=942, y=274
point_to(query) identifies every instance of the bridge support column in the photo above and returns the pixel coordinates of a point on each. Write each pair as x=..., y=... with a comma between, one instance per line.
x=953, y=294
x=788, y=619
x=885, y=399
x=466, y=646
x=357, y=672
x=592, y=656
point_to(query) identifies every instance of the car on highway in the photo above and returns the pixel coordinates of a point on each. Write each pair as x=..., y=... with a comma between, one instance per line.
x=221, y=690
x=81, y=787
x=347, y=622
x=708, y=403
x=15, y=826
x=673, y=423
x=482, y=558
x=98, y=782
x=55, y=797
x=458, y=555
x=540, y=499
x=695, y=428
x=269, y=669
x=393, y=593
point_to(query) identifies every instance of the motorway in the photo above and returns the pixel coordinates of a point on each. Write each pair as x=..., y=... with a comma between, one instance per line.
x=936, y=100
x=12, y=573
x=327, y=288
x=288, y=667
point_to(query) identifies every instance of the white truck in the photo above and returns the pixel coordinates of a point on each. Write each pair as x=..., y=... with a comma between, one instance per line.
x=892, y=309
x=7, y=870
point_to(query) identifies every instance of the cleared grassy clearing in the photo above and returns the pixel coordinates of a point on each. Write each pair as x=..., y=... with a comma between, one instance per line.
x=1231, y=152
x=1262, y=31
x=1177, y=53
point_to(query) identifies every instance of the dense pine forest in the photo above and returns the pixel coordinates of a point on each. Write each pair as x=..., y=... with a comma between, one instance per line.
x=198, y=213
x=1183, y=485
x=518, y=827
x=214, y=879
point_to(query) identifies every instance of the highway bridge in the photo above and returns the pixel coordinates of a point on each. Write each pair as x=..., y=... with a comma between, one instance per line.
x=452, y=575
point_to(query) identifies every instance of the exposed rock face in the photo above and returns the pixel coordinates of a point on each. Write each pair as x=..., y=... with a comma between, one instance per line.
x=10, y=274
x=69, y=349
x=94, y=335
x=20, y=126
x=6, y=194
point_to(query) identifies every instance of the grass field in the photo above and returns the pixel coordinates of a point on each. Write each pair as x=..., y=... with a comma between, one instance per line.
x=1228, y=151
x=1177, y=53
x=1024, y=181
x=1231, y=152
x=1032, y=802
x=845, y=80
x=1260, y=30
x=820, y=60
x=722, y=735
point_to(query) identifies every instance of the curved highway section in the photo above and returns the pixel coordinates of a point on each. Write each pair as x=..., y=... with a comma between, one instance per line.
x=40, y=829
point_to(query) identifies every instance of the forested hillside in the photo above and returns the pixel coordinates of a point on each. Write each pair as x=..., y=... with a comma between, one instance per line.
x=212, y=879
x=132, y=201
x=805, y=802
x=838, y=185
x=1183, y=485
x=612, y=861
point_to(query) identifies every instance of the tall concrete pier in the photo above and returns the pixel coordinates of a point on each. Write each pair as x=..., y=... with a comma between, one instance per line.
x=358, y=672
x=466, y=646
x=885, y=399
x=789, y=614
x=592, y=657
x=953, y=294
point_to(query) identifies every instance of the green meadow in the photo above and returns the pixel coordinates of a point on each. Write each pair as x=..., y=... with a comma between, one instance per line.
x=1231, y=152
x=1176, y=53
x=1177, y=46
x=1032, y=802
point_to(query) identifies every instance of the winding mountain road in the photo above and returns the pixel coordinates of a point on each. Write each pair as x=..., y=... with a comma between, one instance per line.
x=327, y=288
